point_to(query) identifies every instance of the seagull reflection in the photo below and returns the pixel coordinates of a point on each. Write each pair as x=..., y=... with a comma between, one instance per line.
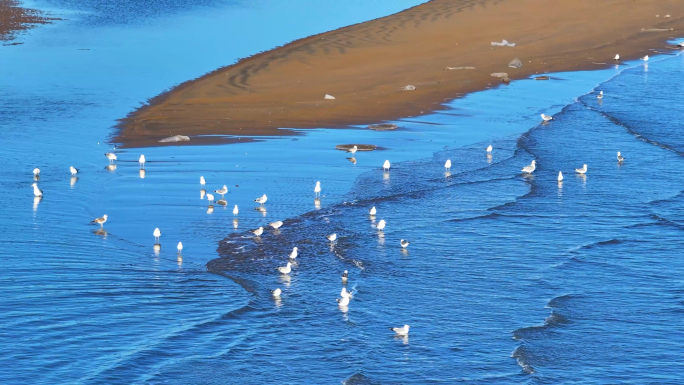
x=447, y=174
x=343, y=309
x=235, y=223
x=180, y=260
x=352, y=159
x=404, y=338
x=111, y=167
x=404, y=252
x=36, y=201
x=222, y=202
x=36, y=177
x=381, y=239
x=74, y=179
x=285, y=279
x=489, y=158
x=142, y=173
x=101, y=232
x=203, y=192
x=385, y=176
x=583, y=177
x=156, y=248
x=317, y=204
x=261, y=209
x=210, y=209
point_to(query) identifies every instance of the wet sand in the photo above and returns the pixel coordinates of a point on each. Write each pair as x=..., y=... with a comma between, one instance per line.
x=14, y=18
x=366, y=66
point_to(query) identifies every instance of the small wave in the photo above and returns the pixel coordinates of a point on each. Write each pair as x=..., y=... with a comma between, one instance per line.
x=359, y=379
x=521, y=356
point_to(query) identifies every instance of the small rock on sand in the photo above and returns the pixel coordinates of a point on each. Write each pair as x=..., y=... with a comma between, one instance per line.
x=500, y=75
x=460, y=68
x=409, y=87
x=328, y=97
x=175, y=138
x=515, y=63
x=359, y=147
x=505, y=80
x=383, y=127
x=541, y=78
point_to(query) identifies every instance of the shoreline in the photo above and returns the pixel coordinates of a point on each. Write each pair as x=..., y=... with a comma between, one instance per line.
x=368, y=64
x=14, y=18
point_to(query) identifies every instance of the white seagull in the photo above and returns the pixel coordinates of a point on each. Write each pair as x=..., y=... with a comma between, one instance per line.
x=331, y=237
x=372, y=211
x=600, y=95
x=222, y=191
x=546, y=118
x=276, y=293
x=73, y=170
x=617, y=57
x=345, y=276
x=345, y=294
x=210, y=197
x=235, y=211
x=404, y=243
x=141, y=160
x=276, y=225
x=353, y=150
x=111, y=156
x=447, y=164
x=344, y=301
x=294, y=253
x=381, y=225
x=36, y=191
x=285, y=269
x=261, y=200
x=681, y=45
x=317, y=189
x=620, y=158
x=100, y=221
x=36, y=171
x=403, y=331
x=156, y=234
x=529, y=169
x=489, y=148
x=645, y=58
x=202, y=181
x=258, y=231
x=560, y=176
x=386, y=166
x=180, y=247
x=582, y=170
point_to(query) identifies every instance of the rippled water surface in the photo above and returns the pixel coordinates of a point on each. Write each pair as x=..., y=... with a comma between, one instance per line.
x=508, y=278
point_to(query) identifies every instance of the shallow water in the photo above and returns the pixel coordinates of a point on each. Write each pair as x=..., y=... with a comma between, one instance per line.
x=508, y=279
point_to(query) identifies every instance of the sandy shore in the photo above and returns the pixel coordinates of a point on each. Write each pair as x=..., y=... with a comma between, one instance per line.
x=14, y=18
x=366, y=66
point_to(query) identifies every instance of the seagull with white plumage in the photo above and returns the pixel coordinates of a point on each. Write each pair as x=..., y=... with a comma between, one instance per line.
x=111, y=156
x=202, y=181
x=489, y=148
x=386, y=166
x=353, y=149
x=222, y=191
x=73, y=170
x=346, y=294
x=582, y=170
x=600, y=95
x=560, y=176
x=36, y=191
x=141, y=160
x=156, y=234
x=261, y=200
x=530, y=169
x=235, y=211
x=546, y=118
x=381, y=225
x=372, y=211
x=179, y=247
x=620, y=158
x=276, y=293
x=100, y=221
x=331, y=237
x=36, y=171
x=276, y=225
x=402, y=331
x=404, y=243
x=617, y=57
x=294, y=253
x=285, y=269
x=258, y=231
x=447, y=164
x=317, y=189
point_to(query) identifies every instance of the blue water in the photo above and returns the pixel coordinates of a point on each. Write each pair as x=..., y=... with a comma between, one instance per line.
x=508, y=279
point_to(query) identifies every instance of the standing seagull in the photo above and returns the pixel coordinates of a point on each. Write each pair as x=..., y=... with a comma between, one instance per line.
x=285, y=269
x=156, y=234
x=294, y=253
x=386, y=166
x=345, y=276
x=617, y=57
x=403, y=331
x=331, y=237
x=180, y=247
x=210, y=197
x=276, y=293
x=111, y=156
x=529, y=169
x=560, y=176
x=317, y=189
x=353, y=150
x=142, y=161
x=620, y=157
x=404, y=243
x=582, y=170
x=36, y=191
x=600, y=96
x=489, y=148
x=546, y=118
x=372, y=211
x=447, y=164
x=258, y=231
x=261, y=200
x=276, y=225
x=345, y=294
x=36, y=171
x=381, y=225
x=73, y=170
x=645, y=58
x=100, y=221
x=235, y=211
x=202, y=181
x=222, y=191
